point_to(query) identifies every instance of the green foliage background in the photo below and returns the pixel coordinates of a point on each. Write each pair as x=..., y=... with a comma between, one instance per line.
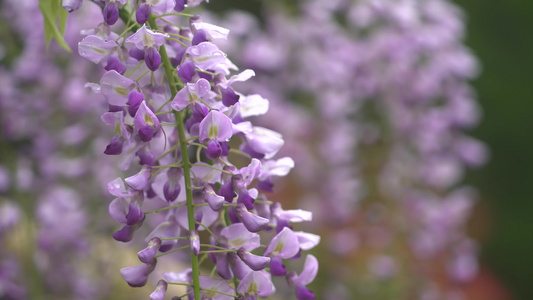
x=499, y=33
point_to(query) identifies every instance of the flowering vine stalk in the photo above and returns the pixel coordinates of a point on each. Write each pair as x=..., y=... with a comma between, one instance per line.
x=179, y=194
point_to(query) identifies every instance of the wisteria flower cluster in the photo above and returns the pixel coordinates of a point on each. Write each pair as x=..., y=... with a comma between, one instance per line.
x=175, y=111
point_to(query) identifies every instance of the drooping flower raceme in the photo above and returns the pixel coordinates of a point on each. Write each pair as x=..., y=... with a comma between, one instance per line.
x=179, y=122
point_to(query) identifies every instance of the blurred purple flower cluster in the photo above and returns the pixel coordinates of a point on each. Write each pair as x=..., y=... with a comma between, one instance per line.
x=380, y=104
x=49, y=181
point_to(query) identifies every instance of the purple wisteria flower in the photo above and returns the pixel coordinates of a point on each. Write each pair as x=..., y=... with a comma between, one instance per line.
x=177, y=116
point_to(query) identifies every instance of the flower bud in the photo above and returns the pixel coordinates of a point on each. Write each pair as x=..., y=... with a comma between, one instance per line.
x=194, y=239
x=143, y=13
x=152, y=58
x=111, y=13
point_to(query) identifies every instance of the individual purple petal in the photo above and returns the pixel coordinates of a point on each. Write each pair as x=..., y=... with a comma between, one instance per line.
x=145, y=37
x=116, y=119
x=114, y=63
x=152, y=58
x=307, y=240
x=140, y=180
x=186, y=71
x=135, y=213
x=229, y=97
x=264, y=141
x=145, y=122
x=160, y=7
x=282, y=223
x=213, y=150
x=309, y=271
x=194, y=240
x=245, y=198
x=115, y=146
x=110, y=13
x=116, y=87
x=172, y=187
x=212, y=31
x=126, y=233
x=223, y=269
x=71, y=5
x=253, y=105
x=250, y=172
x=215, y=201
x=184, y=276
x=302, y=293
x=203, y=214
x=190, y=94
x=147, y=255
x=201, y=88
x=180, y=5
x=293, y=215
x=96, y=49
x=199, y=111
x=285, y=244
x=243, y=76
x=277, y=268
x=166, y=229
x=146, y=156
x=216, y=126
x=280, y=167
x=255, y=262
x=206, y=55
x=214, y=285
x=256, y=283
x=232, y=215
x=199, y=36
x=160, y=289
x=134, y=102
x=226, y=191
x=142, y=13
x=238, y=236
x=252, y=222
x=240, y=269
x=137, y=53
x=138, y=276
x=117, y=188
x=118, y=209
x=265, y=185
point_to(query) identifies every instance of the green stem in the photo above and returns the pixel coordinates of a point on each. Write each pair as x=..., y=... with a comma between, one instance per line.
x=219, y=292
x=216, y=251
x=184, y=161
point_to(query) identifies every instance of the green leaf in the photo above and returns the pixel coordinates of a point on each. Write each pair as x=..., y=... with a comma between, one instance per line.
x=52, y=11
